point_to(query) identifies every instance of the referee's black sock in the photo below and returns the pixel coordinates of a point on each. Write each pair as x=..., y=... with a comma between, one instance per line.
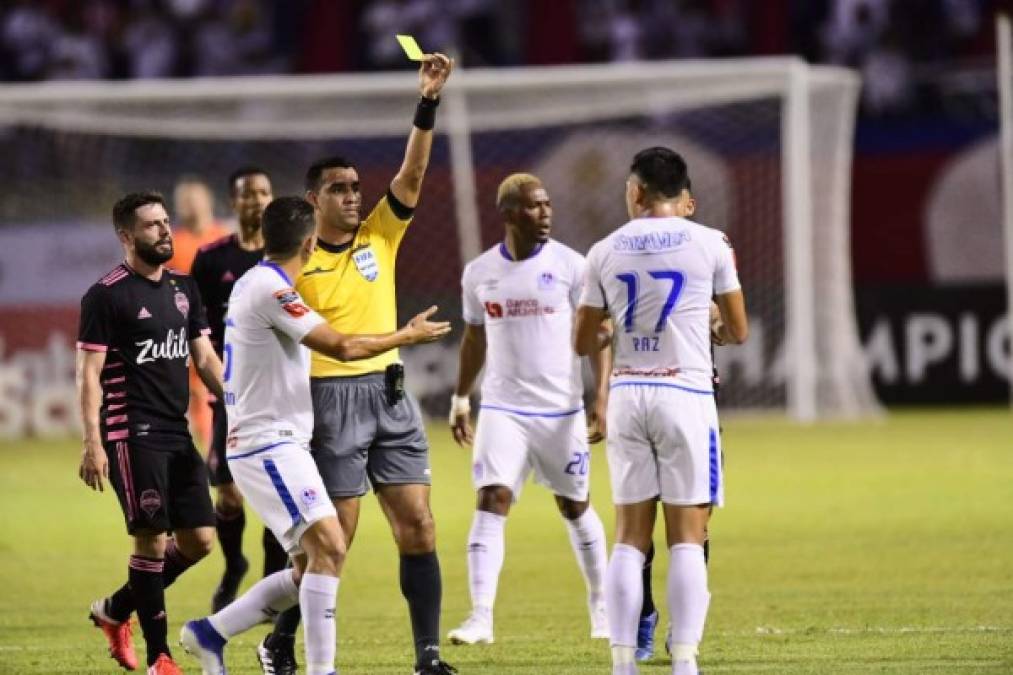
x=648, y=607
x=422, y=587
x=230, y=534
x=145, y=576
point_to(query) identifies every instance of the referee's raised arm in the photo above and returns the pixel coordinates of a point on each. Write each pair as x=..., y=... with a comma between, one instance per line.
x=407, y=184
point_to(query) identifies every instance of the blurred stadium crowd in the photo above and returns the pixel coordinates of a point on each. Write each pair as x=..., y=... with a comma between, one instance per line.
x=893, y=42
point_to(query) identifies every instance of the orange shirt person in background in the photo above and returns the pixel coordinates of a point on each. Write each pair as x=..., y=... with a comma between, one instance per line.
x=195, y=223
x=195, y=226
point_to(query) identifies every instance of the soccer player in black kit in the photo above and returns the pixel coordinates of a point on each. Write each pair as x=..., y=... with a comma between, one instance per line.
x=215, y=270
x=140, y=324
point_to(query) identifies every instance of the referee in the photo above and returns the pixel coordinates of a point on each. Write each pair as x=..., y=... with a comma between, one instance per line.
x=367, y=429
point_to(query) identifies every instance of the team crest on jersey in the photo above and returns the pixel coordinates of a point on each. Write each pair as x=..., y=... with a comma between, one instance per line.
x=546, y=281
x=182, y=303
x=366, y=263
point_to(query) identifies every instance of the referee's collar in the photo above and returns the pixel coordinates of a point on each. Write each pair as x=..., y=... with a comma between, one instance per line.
x=337, y=248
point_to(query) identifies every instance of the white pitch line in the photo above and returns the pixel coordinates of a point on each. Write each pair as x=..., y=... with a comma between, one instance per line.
x=863, y=666
x=879, y=630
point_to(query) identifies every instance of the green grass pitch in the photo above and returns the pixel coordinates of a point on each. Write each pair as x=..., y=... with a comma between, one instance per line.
x=885, y=547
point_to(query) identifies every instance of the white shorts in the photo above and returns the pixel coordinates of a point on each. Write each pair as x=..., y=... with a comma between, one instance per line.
x=282, y=484
x=509, y=445
x=663, y=441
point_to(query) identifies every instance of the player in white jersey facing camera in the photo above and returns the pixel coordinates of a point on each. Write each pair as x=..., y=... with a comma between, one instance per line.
x=656, y=276
x=519, y=299
x=270, y=420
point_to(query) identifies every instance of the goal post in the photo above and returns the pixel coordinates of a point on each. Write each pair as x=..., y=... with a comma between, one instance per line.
x=768, y=142
x=1004, y=75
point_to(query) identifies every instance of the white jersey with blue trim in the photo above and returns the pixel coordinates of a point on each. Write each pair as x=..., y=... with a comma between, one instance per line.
x=656, y=278
x=267, y=369
x=526, y=307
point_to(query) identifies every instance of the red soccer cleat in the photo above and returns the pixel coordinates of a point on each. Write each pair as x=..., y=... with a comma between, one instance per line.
x=164, y=666
x=119, y=635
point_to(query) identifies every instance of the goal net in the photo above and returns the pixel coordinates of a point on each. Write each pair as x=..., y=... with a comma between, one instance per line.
x=768, y=143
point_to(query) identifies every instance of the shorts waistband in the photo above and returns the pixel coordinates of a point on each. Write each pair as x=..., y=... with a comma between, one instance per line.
x=366, y=378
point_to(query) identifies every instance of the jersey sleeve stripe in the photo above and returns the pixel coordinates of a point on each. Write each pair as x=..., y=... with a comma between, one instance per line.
x=92, y=347
x=120, y=272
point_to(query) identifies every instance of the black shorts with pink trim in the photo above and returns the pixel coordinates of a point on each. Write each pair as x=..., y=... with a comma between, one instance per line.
x=161, y=482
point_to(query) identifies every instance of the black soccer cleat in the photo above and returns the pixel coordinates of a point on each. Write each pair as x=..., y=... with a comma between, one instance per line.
x=229, y=586
x=435, y=668
x=277, y=657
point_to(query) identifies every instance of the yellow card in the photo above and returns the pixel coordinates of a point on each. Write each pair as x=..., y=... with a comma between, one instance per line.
x=410, y=46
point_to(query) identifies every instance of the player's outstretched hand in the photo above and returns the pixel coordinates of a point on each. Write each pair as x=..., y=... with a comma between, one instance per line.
x=421, y=329
x=94, y=465
x=434, y=69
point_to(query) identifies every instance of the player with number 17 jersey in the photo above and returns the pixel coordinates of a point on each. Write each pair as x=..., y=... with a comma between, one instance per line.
x=657, y=276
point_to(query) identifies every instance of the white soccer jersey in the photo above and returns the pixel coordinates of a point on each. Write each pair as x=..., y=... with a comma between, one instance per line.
x=267, y=370
x=527, y=309
x=656, y=277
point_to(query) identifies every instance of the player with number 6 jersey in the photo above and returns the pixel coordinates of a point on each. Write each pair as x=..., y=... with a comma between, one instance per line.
x=519, y=301
x=656, y=276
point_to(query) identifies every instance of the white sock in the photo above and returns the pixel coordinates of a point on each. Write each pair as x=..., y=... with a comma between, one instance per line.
x=688, y=600
x=623, y=658
x=318, y=596
x=624, y=594
x=587, y=536
x=684, y=663
x=267, y=597
x=485, y=559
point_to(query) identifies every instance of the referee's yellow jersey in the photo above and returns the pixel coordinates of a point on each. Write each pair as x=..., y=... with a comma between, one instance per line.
x=352, y=287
